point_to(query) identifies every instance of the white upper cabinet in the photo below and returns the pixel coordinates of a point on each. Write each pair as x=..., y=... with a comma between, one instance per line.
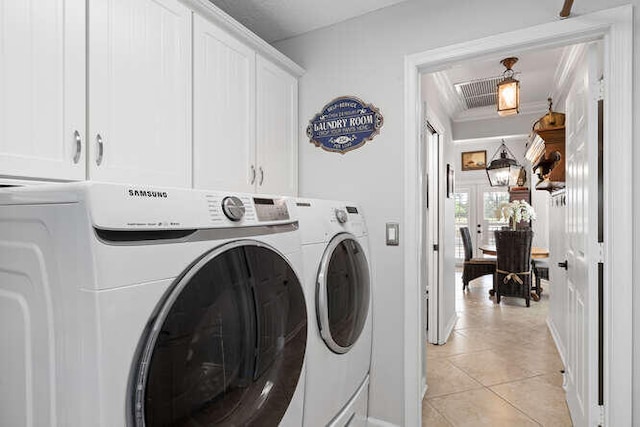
x=140, y=92
x=224, y=110
x=276, y=121
x=42, y=89
x=146, y=92
x=245, y=116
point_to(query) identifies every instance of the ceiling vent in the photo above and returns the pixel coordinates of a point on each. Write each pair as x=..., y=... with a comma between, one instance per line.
x=478, y=93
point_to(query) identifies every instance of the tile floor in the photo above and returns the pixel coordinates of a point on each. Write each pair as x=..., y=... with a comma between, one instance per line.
x=500, y=366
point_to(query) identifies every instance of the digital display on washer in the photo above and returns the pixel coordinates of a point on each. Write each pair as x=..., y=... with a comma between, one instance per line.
x=259, y=201
x=271, y=209
x=352, y=209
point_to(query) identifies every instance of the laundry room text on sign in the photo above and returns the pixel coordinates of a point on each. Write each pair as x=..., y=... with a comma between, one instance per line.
x=344, y=124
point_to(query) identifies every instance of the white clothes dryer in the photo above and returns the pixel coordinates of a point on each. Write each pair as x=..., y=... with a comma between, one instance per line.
x=335, y=254
x=126, y=305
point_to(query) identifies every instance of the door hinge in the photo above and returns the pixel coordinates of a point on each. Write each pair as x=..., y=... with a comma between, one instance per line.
x=601, y=416
x=600, y=90
x=436, y=247
x=601, y=252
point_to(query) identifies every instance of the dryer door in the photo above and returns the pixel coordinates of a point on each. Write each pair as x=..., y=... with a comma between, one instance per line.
x=342, y=293
x=227, y=344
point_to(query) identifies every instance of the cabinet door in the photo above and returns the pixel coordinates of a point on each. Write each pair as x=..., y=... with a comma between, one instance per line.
x=224, y=110
x=140, y=92
x=42, y=89
x=277, y=121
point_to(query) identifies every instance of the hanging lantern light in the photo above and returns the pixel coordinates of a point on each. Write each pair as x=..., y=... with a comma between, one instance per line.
x=508, y=90
x=503, y=169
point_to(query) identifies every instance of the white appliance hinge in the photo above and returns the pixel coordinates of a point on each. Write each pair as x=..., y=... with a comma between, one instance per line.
x=601, y=252
x=601, y=416
x=600, y=90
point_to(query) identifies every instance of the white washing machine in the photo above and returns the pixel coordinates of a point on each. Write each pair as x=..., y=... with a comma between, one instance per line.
x=126, y=305
x=335, y=254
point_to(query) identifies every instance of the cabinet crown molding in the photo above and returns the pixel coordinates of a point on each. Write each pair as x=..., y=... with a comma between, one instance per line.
x=225, y=21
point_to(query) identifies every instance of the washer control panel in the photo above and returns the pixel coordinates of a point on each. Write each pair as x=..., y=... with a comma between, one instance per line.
x=233, y=208
x=341, y=216
x=268, y=209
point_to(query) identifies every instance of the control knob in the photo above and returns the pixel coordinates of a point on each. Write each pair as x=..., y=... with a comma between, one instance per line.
x=341, y=216
x=233, y=208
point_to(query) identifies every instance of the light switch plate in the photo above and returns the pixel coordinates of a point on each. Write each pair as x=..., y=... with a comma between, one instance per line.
x=393, y=234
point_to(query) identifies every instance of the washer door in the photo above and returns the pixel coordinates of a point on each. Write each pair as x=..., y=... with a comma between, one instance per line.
x=342, y=293
x=227, y=345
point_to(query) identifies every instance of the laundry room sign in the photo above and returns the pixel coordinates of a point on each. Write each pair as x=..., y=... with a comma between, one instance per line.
x=344, y=124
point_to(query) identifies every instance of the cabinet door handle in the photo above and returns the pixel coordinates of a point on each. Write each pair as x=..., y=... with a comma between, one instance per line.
x=100, y=150
x=261, y=175
x=76, y=156
x=253, y=175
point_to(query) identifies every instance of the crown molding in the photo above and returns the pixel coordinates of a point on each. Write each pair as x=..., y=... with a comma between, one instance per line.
x=450, y=99
x=566, y=67
x=216, y=15
x=490, y=112
x=508, y=139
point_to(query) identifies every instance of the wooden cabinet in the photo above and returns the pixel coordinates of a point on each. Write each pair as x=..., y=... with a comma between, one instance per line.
x=276, y=121
x=140, y=92
x=224, y=110
x=42, y=89
x=550, y=166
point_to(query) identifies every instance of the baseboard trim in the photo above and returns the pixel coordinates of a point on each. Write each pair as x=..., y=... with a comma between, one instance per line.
x=449, y=329
x=374, y=422
x=424, y=387
x=556, y=339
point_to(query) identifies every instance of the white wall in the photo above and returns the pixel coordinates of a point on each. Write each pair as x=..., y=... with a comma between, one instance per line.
x=558, y=303
x=495, y=127
x=365, y=57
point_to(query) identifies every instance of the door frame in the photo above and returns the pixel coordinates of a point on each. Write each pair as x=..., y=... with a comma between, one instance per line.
x=615, y=27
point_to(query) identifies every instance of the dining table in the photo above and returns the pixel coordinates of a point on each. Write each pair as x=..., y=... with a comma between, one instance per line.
x=536, y=253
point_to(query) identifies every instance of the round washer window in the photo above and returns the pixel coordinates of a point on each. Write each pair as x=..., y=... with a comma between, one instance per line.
x=343, y=293
x=228, y=343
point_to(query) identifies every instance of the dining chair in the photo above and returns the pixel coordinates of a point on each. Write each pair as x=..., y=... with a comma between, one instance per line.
x=513, y=264
x=540, y=271
x=473, y=267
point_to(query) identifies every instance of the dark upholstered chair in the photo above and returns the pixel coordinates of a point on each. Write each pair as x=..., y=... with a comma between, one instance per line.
x=513, y=264
x=540, y=271
x=473, y=267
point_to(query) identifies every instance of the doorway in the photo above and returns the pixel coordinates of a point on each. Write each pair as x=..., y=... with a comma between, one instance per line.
x=477, y=206
x=614, y=27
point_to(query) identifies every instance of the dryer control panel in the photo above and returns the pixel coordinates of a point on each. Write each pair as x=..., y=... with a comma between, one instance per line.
x=271, y=209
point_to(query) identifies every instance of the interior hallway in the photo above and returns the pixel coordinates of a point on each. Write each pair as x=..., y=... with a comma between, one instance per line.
x=500, y=366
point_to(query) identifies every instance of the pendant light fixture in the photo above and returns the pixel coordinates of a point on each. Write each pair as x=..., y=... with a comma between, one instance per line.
x=503, y=169
x=508, y=90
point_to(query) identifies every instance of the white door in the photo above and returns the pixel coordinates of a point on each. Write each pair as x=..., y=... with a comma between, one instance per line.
x=42, y=89
x=224, y=110
x=140, y=92
x=463, y=217
x=582, y=220
x=276, y=135
x=489, y=214
x=430, y=239
x=427, y=199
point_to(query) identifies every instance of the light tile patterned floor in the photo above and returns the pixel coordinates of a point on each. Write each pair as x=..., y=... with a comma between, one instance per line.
x=499, y=368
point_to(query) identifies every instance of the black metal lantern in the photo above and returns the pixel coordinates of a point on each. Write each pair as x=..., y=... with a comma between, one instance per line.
x=503, y=169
